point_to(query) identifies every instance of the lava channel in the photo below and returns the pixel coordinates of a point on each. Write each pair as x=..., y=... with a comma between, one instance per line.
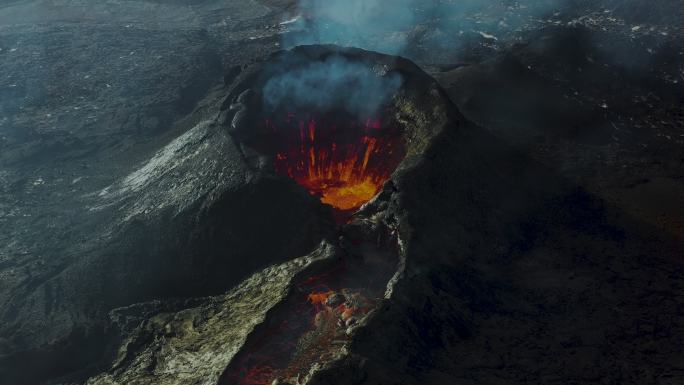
x=312, y=325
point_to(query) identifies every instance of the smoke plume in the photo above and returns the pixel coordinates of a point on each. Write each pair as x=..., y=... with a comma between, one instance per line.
x=392, y=26
x=333, y=83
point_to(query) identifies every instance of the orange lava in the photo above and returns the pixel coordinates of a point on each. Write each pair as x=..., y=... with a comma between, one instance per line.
x=319, y=298
x=344, y=173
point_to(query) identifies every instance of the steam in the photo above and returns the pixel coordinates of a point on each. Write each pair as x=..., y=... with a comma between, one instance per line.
x=358, y=23
x=333, y=83
x=388, y=26
x=391, y=26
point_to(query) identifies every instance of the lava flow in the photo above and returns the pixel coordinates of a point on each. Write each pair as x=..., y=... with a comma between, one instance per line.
x=344, y=162
x=317, y=319
x=344, y=165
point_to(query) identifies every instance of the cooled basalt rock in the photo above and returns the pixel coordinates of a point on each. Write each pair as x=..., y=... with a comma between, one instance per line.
x=192, y=220
x=192, y=342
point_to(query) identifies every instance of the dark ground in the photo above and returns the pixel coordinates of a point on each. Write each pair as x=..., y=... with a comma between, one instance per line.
x=89, y=92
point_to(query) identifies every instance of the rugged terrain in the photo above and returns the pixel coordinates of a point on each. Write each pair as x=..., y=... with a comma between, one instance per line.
x=544, y=241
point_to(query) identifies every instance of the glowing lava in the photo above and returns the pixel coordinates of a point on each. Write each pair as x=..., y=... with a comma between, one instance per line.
x=345, y=167
x=318, y=299
x=316, y=322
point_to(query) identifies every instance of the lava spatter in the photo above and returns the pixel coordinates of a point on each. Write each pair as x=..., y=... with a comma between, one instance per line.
x=345, y=165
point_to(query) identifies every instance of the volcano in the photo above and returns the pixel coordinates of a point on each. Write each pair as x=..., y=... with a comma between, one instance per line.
x=343, y=154
x=189, y=195
x=345, y=150
x=328, y=216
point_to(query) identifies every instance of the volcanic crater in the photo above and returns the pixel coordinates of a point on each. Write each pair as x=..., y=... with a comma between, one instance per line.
x=340, y=139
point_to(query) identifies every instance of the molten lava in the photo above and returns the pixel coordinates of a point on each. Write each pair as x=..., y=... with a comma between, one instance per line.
x=344, y=166
x=318, y=299
x=318, y=319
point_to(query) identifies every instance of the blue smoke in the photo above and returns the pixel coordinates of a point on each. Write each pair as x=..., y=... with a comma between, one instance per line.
x=357, y=23
x=391, y=26
x=332, y=84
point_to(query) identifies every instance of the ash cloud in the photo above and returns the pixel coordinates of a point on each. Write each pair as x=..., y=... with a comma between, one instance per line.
x=334, y=83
